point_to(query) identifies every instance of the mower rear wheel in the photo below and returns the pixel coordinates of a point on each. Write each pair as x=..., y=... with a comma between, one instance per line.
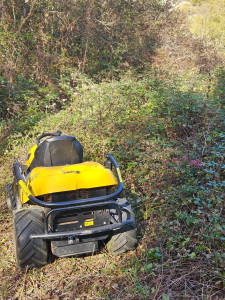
x=124, y=239
x=10, y=197
x=29, y=252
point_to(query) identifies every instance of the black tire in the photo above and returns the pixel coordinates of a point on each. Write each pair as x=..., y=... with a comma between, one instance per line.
x=10, y=197
x=124, y=239
x=29, y=252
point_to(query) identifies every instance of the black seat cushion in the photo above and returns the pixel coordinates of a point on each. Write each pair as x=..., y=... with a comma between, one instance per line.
x=58, y=151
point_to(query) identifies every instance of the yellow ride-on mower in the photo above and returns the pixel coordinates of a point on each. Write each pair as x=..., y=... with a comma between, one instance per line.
x=61, y=203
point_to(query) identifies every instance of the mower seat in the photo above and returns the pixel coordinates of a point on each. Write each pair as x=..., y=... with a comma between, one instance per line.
x=57, y=151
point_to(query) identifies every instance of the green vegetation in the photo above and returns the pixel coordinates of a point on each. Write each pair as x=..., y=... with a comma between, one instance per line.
x=161, y=115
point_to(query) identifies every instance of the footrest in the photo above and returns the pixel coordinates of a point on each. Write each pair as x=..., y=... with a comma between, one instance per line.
x=66, y=247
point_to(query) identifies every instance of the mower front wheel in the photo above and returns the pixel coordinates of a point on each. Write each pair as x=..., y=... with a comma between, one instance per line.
x=29, y=252
x=124, y=239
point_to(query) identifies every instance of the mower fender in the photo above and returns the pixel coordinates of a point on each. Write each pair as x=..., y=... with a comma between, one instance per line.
x=87, y=175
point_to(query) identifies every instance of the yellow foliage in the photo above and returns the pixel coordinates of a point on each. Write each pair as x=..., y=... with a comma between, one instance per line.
x=184, y=6
x=208, y=21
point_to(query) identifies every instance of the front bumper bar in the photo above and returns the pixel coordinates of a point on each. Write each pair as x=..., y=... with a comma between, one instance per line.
x=60, y=235
x=48, y=235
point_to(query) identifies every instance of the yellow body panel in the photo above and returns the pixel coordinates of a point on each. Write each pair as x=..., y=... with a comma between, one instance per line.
x=22, y=195
x=47, y=180
x=31, y=155
x=24, y=192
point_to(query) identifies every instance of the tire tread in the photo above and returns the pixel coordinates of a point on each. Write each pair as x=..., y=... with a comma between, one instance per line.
x=29, y=253
x=125, y=239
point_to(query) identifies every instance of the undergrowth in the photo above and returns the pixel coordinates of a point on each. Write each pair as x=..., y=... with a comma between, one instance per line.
x=167, y=134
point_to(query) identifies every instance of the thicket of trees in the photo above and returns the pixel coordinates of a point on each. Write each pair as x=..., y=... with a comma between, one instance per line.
x=42, y=40
x=39, y=39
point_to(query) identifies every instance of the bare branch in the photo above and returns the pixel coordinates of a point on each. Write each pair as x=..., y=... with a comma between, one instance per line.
x=28, y=16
